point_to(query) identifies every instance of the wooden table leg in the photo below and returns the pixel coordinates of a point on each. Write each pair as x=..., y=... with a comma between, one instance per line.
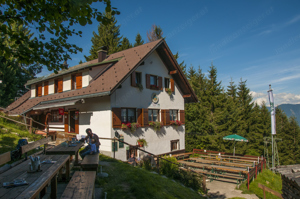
x=54, y=187
x=76, y=158
x=60, y=174
x=68, y=170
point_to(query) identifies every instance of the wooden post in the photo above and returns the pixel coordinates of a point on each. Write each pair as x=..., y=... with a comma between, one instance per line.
x=264, y=192
x=262, y=165
x=256, y=171
x=68, y=170
x=248, y=181
x=204, y=184
x=157, y=165
x=30, y=127
x=114, y=149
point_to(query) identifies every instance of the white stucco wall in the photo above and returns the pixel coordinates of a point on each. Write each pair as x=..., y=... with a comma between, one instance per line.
x=95, y=113
x=128, y=96
x=32, y=90
x=85, y=79
x=51, y=86
x=67, y=82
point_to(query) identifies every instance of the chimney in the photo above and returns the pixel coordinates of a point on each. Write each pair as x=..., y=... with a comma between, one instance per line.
x=101, y=55
x=65, y=64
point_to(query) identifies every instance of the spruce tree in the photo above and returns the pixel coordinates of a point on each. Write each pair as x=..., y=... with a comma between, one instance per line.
x=155, y=33
x=138, y=40
x=182, y=64
x=125, y=44
x=108, y=35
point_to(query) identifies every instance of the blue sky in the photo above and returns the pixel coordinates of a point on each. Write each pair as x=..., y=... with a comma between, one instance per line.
x=258, y=41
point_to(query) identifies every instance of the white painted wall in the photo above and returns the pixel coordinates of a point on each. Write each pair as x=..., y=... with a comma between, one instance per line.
x=32, y=90
x=66, y=82
x=128, y=96
x=51, y=86
x=95, y=113
x=85, y=78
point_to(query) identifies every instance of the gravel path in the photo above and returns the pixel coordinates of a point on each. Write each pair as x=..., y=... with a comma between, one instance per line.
x=219, y=189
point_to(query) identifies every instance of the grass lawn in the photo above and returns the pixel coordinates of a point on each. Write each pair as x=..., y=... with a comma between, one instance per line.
x=126, y=181
x=10, y=134
x=274, y=180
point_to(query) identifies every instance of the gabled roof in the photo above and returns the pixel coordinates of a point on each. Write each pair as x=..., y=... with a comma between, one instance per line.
x=118, y=67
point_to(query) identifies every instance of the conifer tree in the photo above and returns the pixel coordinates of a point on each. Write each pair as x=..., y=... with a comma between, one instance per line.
x=138, y=40
x=155, y=33
x=182, y=64
x=125, y=44
x=108, y=35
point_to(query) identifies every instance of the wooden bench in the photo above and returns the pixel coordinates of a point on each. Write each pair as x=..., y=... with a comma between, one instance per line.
x=5, y=157
x=90, y=162
x=81, y=185
x=33, y=145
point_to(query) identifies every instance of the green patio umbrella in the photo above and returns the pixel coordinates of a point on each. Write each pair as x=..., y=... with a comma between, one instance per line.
x=235, y=138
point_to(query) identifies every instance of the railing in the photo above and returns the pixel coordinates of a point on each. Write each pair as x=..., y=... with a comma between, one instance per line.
x=264, y=188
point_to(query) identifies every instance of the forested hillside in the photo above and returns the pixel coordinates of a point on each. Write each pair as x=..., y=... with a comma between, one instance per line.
x=225, y=111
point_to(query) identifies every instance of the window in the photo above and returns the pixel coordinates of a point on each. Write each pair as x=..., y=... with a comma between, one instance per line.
x=46, y=88
x=73, y=81
x=56, y=117
x=173, y=115
x=138, y=78
x=58, y=85
x=167, y=83
x=153, y=80
x=153, y=115
x=174, y=145
x=128, y=115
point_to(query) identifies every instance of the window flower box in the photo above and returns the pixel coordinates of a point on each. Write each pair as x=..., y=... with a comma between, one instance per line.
x=169, y=91
x=156, y=125
x=176, y=123
x=130, y=126
x=154, y=87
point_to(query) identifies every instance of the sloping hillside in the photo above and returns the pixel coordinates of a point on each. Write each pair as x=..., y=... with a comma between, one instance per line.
x=126, y=181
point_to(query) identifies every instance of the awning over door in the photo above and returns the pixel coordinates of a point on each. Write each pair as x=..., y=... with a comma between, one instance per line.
x=56, y=104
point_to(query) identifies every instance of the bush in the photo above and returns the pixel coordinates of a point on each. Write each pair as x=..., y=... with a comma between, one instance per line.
x=167, y=168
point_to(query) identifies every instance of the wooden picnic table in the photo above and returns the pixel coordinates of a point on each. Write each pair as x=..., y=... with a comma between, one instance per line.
x=66, y=150
x=217, y=162
x=215, y=167
x=38, y=181
x=231, y=159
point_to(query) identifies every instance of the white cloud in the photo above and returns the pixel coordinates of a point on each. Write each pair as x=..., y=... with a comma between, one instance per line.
x=294, y=20
x=280, y=98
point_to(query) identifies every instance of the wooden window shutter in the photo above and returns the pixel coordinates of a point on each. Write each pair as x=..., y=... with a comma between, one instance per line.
x=148, y=81
x=60, y=85
x=46, y=90
x=133, y=83
x=140, y=117
x=79, y=81
x=160, y=83
x=116, y=118
x=167, y=115
x=66, y=122
x=39, y=90
x=77, y=125
x=172, y=85
x=182, y=116
x=145, y=117
x=163, y=118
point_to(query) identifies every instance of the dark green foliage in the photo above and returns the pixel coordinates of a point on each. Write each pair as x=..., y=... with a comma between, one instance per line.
x=138, y=40
x=108, y=35
x=155, y=33
x=13, y=73
x=55, y=18
x=125, y=44
x=219, y=113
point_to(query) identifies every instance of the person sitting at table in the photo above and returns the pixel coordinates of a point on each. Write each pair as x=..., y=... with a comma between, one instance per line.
x=92, y=137
x=89, y=149
x=132, y=160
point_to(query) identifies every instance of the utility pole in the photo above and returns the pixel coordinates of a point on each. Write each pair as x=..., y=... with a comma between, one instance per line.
x=273, y=123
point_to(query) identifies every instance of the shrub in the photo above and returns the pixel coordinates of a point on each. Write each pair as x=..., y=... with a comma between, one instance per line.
x=167, y=168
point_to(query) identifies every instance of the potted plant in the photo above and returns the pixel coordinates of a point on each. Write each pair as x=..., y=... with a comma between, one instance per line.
x=131, y=126
x=142, y=142
x=156, y=125
x=154, y=87
x=124, y=126
x=140, y=87
x=169, y=91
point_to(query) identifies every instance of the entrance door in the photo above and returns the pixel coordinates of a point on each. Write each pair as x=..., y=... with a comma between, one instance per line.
x=72, y=121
